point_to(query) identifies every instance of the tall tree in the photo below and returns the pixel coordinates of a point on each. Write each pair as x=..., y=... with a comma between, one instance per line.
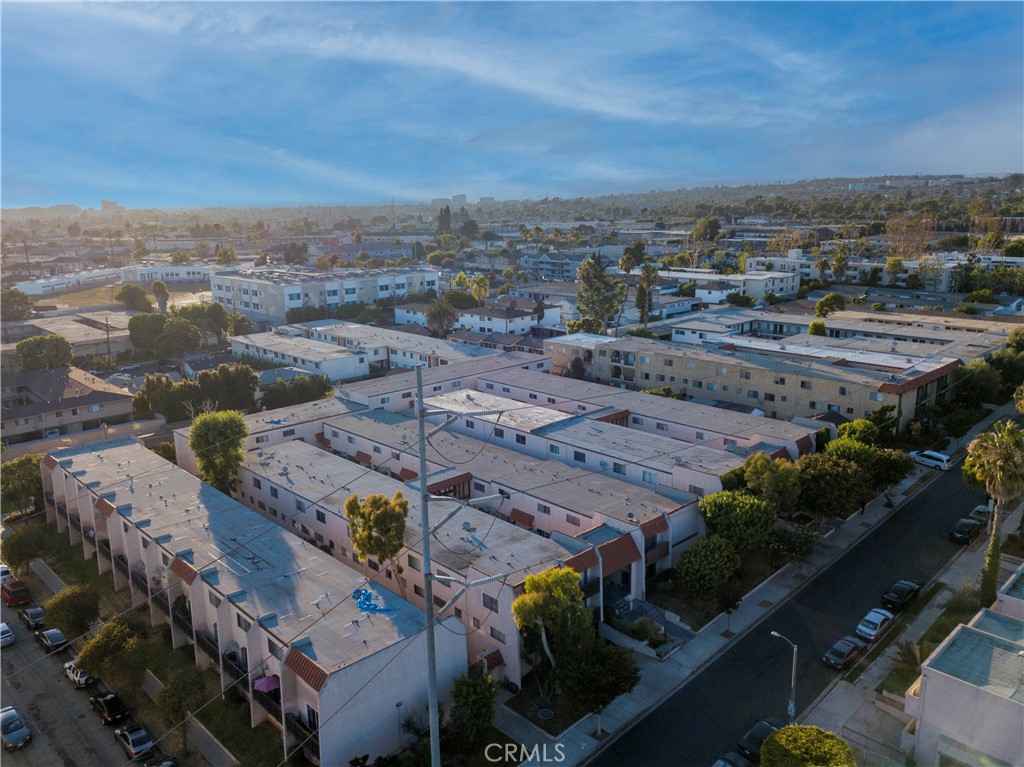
x=833, y=302
x=145, y=328
x=15, y=305
x=707, y=564
x=179, y=336
x=909, y=237
x=73, y=610
x=116, y=653
x=44, y=352
x=184, y=693
x=441, y=316
x=632, y=256
x=480, y=289
x=598, y=674
x=739, y=517
x=296, y=391
x=995, y=458
x=800, y=745
x=461, y=281
x=232, y=387
x=134, y=298
x=211, y=319
x=705, y=231
x=554, y=622
x=645, y=291
x=473, y=698
x=226, y=256
x=829, y=485
x=376, y=526
x=839, y=266
x=22, y=483
x=444, y=221
x=821, y=264
x=893, y=269
x=161, y=294
x=599, y=294
x=217, y=441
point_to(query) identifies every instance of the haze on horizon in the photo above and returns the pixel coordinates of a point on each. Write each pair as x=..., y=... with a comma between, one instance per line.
x=254, y=104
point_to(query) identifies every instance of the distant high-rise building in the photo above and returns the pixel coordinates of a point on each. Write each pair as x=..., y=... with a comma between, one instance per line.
x=440, y=202
x=110, y=207
x=458, y=201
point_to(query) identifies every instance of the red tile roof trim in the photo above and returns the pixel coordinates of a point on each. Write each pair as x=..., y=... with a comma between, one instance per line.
x=448, y=483
x=494, y=660
x=49, y=462
x=652, y=527
x=617, y=554
x=407, y=474
x=105, y=507
x=921, y=380
x=184, y=570
x=583, y=561
x=362, y=457
x=306, y=669
x=520, y=517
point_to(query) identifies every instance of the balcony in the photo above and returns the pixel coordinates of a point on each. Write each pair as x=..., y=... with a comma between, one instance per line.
x=208, y=646
x=298, y=728
x=75, y=522
x=140, y=582
x=62, y=511
x=271, y=702
x=104, y=546
x=161, y=600
x=121, y=564
x=183, y=622
x=233, y=668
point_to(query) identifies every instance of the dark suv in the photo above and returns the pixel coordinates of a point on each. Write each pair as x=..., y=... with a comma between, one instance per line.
x=109, y=707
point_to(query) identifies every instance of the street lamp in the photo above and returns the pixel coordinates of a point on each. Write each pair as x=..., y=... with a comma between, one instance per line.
x=791, y=707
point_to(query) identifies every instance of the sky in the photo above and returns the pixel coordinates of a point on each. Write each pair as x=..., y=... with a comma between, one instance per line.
x=254, y=104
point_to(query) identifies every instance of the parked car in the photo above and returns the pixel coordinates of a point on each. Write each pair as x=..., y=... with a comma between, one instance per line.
x=78, y=677
x=109, y=707
x=900, y=594
x=845, y=652
x=158, y=759
x=51, y=639
x=32, y=616
x=14, y=593
x=874, y=624
x=5, y=573
x=135, y=740
x=931, y=459
x=6, y=635
x=981, y=514
x=14, y=729
x=750, y=745
x=732, y=759
x=965, y=531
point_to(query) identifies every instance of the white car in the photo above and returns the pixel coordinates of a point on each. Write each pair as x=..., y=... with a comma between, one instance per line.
x=6, y=635
x=77, y=676
x=874, y=624
x=931, y=459
x=5, y=573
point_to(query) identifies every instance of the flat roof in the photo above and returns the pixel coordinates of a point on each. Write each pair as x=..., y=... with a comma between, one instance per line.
x=411, y=342
x=1015, y=587
x=681, y=412
x=546, y=479
x=272, y=571
x=982, y=659
x=270, y=420
x=513, y=414
x=294, y=346
x=472, y=538
x=440, y=373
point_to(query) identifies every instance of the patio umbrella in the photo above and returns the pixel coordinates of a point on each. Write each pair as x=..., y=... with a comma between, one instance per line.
x=266, y=683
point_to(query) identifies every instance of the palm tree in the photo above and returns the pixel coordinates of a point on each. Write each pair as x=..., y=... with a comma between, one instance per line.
x=839, y=264
x=441, y=315
x=626, y=265
x=996, y=459
x=645, y=290
x=161, y=294
x=480, y=288
x=822, y=266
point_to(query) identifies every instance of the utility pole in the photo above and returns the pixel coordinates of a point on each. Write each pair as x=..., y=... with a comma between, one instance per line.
x=106, y=322
x=428, y=586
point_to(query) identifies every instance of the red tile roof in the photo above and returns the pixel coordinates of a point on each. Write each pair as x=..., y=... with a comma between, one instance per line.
x=617, y=554
x=320, y=438
x=921, y=380
x=447, y=483
x=362, y=457
x=407, y=474
x=105, y=507
x=184, y=570
x=306, y=669
x=49, y=462
x=494, y=659
x=520, y=517
x=652, y=527
x=583, y=561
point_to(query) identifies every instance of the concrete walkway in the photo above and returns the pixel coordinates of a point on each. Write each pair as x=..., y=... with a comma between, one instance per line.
x=660, y=680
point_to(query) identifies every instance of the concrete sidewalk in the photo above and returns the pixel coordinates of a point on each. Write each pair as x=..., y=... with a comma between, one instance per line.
x=661, y=679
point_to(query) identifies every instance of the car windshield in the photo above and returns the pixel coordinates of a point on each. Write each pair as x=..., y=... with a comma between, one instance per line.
x=138, y=737
x=12, y=723
x=869, y=623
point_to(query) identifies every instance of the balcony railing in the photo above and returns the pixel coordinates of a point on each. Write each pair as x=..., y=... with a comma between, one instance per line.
x=183, y=622
x=161, y=600
x=62, y=510
x=104, y=545
x=208, y=646
x=139, y=579
x=75, y=522
x=233, y=668
x=271, y=701
x=121, y=564
x=298, y=728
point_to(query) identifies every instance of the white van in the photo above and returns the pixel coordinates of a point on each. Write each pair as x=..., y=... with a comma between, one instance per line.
x=931, y=459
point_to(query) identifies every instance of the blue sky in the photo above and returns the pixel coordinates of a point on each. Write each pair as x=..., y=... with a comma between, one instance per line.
x=194, y=104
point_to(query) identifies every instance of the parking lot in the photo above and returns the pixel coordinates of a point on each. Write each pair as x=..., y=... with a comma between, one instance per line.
x=65, y=733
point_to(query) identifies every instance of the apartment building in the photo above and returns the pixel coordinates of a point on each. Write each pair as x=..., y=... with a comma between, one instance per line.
x=773, y=378
x=486, y=319
x=968, y=704
x=264, y=296
x=665, y=299
x=89, y=333
x=304, y=489
x=690, y=422
x=146, y=272
x=316, y=357
x=43, y=404
x=88, y=278
x=276, y=617
x=754, y=284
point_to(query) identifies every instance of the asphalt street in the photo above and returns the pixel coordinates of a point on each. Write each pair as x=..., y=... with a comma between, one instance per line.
x=751, y=679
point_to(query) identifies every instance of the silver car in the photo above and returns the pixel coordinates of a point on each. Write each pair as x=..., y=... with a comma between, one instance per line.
x=874, y=624
x=6, y=635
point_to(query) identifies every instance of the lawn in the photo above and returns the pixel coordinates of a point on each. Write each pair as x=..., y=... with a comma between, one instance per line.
x=696, y=611
x=104, y=294
x=527, y=705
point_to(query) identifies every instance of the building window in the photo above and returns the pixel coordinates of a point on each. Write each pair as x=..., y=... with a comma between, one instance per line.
x=418, y=590
x=619, y=468
x=843, y=391
x=478, y=486
x=414, y=563
x=321, y=517
x=779, y=380
x=242, y=623
x=262, y=505
x=214, y=599
x=256, y=483
x=769, y=397
x=875, y=396
x=649, y=477
x=637, y=420
x=805, y=385
x=490, y=603
x=697, y=490
x=745, y=375
x=263, y=438
x=661, y=427
x=533, y=396
x=579, y=456
x=520, y=439
x=668, y=363
x=300, y=505
x=288, y=433
x=476, y=623
x=752, y=394
x=499, y=636
x=273, y=492
x=572, y=520
x=543, y=508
